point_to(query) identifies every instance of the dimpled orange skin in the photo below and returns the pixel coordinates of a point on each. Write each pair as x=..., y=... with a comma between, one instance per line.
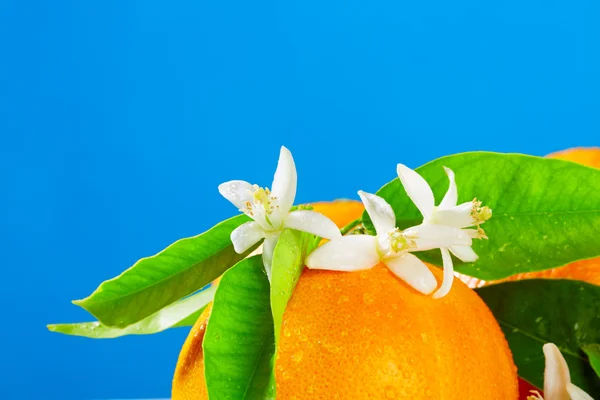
x=585, y=270
x=368, y=335
x=188, y=381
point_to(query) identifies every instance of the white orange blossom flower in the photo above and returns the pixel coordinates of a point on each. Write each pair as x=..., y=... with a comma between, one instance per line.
x=391, y=246
x=448, y=214
x=557, y=378
x=270, y=211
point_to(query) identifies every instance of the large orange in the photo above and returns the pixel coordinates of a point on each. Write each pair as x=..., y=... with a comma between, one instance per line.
x=586, y=270
x=367, y=335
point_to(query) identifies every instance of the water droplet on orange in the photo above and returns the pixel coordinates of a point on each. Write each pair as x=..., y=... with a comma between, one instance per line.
x=368, y=298
x=297, y=357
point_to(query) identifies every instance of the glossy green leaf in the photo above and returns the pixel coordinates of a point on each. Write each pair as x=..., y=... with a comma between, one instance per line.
x=288, y=262
x=239, y=342
x=593, y=353
x=182, y=313
x=538, y=311
x=546, y=212
x=155, y=282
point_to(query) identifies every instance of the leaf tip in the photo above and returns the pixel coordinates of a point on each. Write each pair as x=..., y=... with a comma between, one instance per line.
x=79, y=302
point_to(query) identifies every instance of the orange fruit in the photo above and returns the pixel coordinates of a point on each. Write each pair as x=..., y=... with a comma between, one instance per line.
x=368, y=324
x=585, y=270
x=341, y=212
x=589, y=156
x=368, y=335
x=188, y=381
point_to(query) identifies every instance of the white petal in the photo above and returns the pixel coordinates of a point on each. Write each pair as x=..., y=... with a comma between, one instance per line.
x=577, y=394
x=448, y=275
x=284, y=182
x=380, y=211
x=451, y=196
x=464, y=253
x=413, y=271
x=458, y=216
x=312, y=222
x=246, y=235
x=237, y=192
x=348, y=253
x=267, y=254
x=556, y=374
x=433, y=236
x=417, y=189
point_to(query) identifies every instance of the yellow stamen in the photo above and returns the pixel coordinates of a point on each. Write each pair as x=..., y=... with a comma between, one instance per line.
x=248, y=210
x=480, y=233
x=262, y=197
x=535, y=395
x=399, y=241
x=480, y=214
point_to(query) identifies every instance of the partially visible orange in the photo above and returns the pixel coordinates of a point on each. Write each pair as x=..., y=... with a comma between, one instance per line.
x=188, y=381
x=589, y=156
x=585, y=270
x=341, y=212
x=368, y=335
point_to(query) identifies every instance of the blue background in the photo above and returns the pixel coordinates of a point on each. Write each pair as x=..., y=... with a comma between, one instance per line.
x=120, y=118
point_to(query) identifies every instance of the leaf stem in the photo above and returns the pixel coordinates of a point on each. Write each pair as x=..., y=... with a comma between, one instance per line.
x=351, y=226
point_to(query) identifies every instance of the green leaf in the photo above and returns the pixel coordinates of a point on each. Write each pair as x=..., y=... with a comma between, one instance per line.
x=537, y=311
x=239, y=341
x=288, y=262
x=593, y=353
x=182, y=313
x=546, y=212
x=155, y=282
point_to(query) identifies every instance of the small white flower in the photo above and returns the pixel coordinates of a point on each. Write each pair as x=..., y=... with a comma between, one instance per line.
x=448, y=213
x=270, y=210
x=557, y=378
x=391, y=246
